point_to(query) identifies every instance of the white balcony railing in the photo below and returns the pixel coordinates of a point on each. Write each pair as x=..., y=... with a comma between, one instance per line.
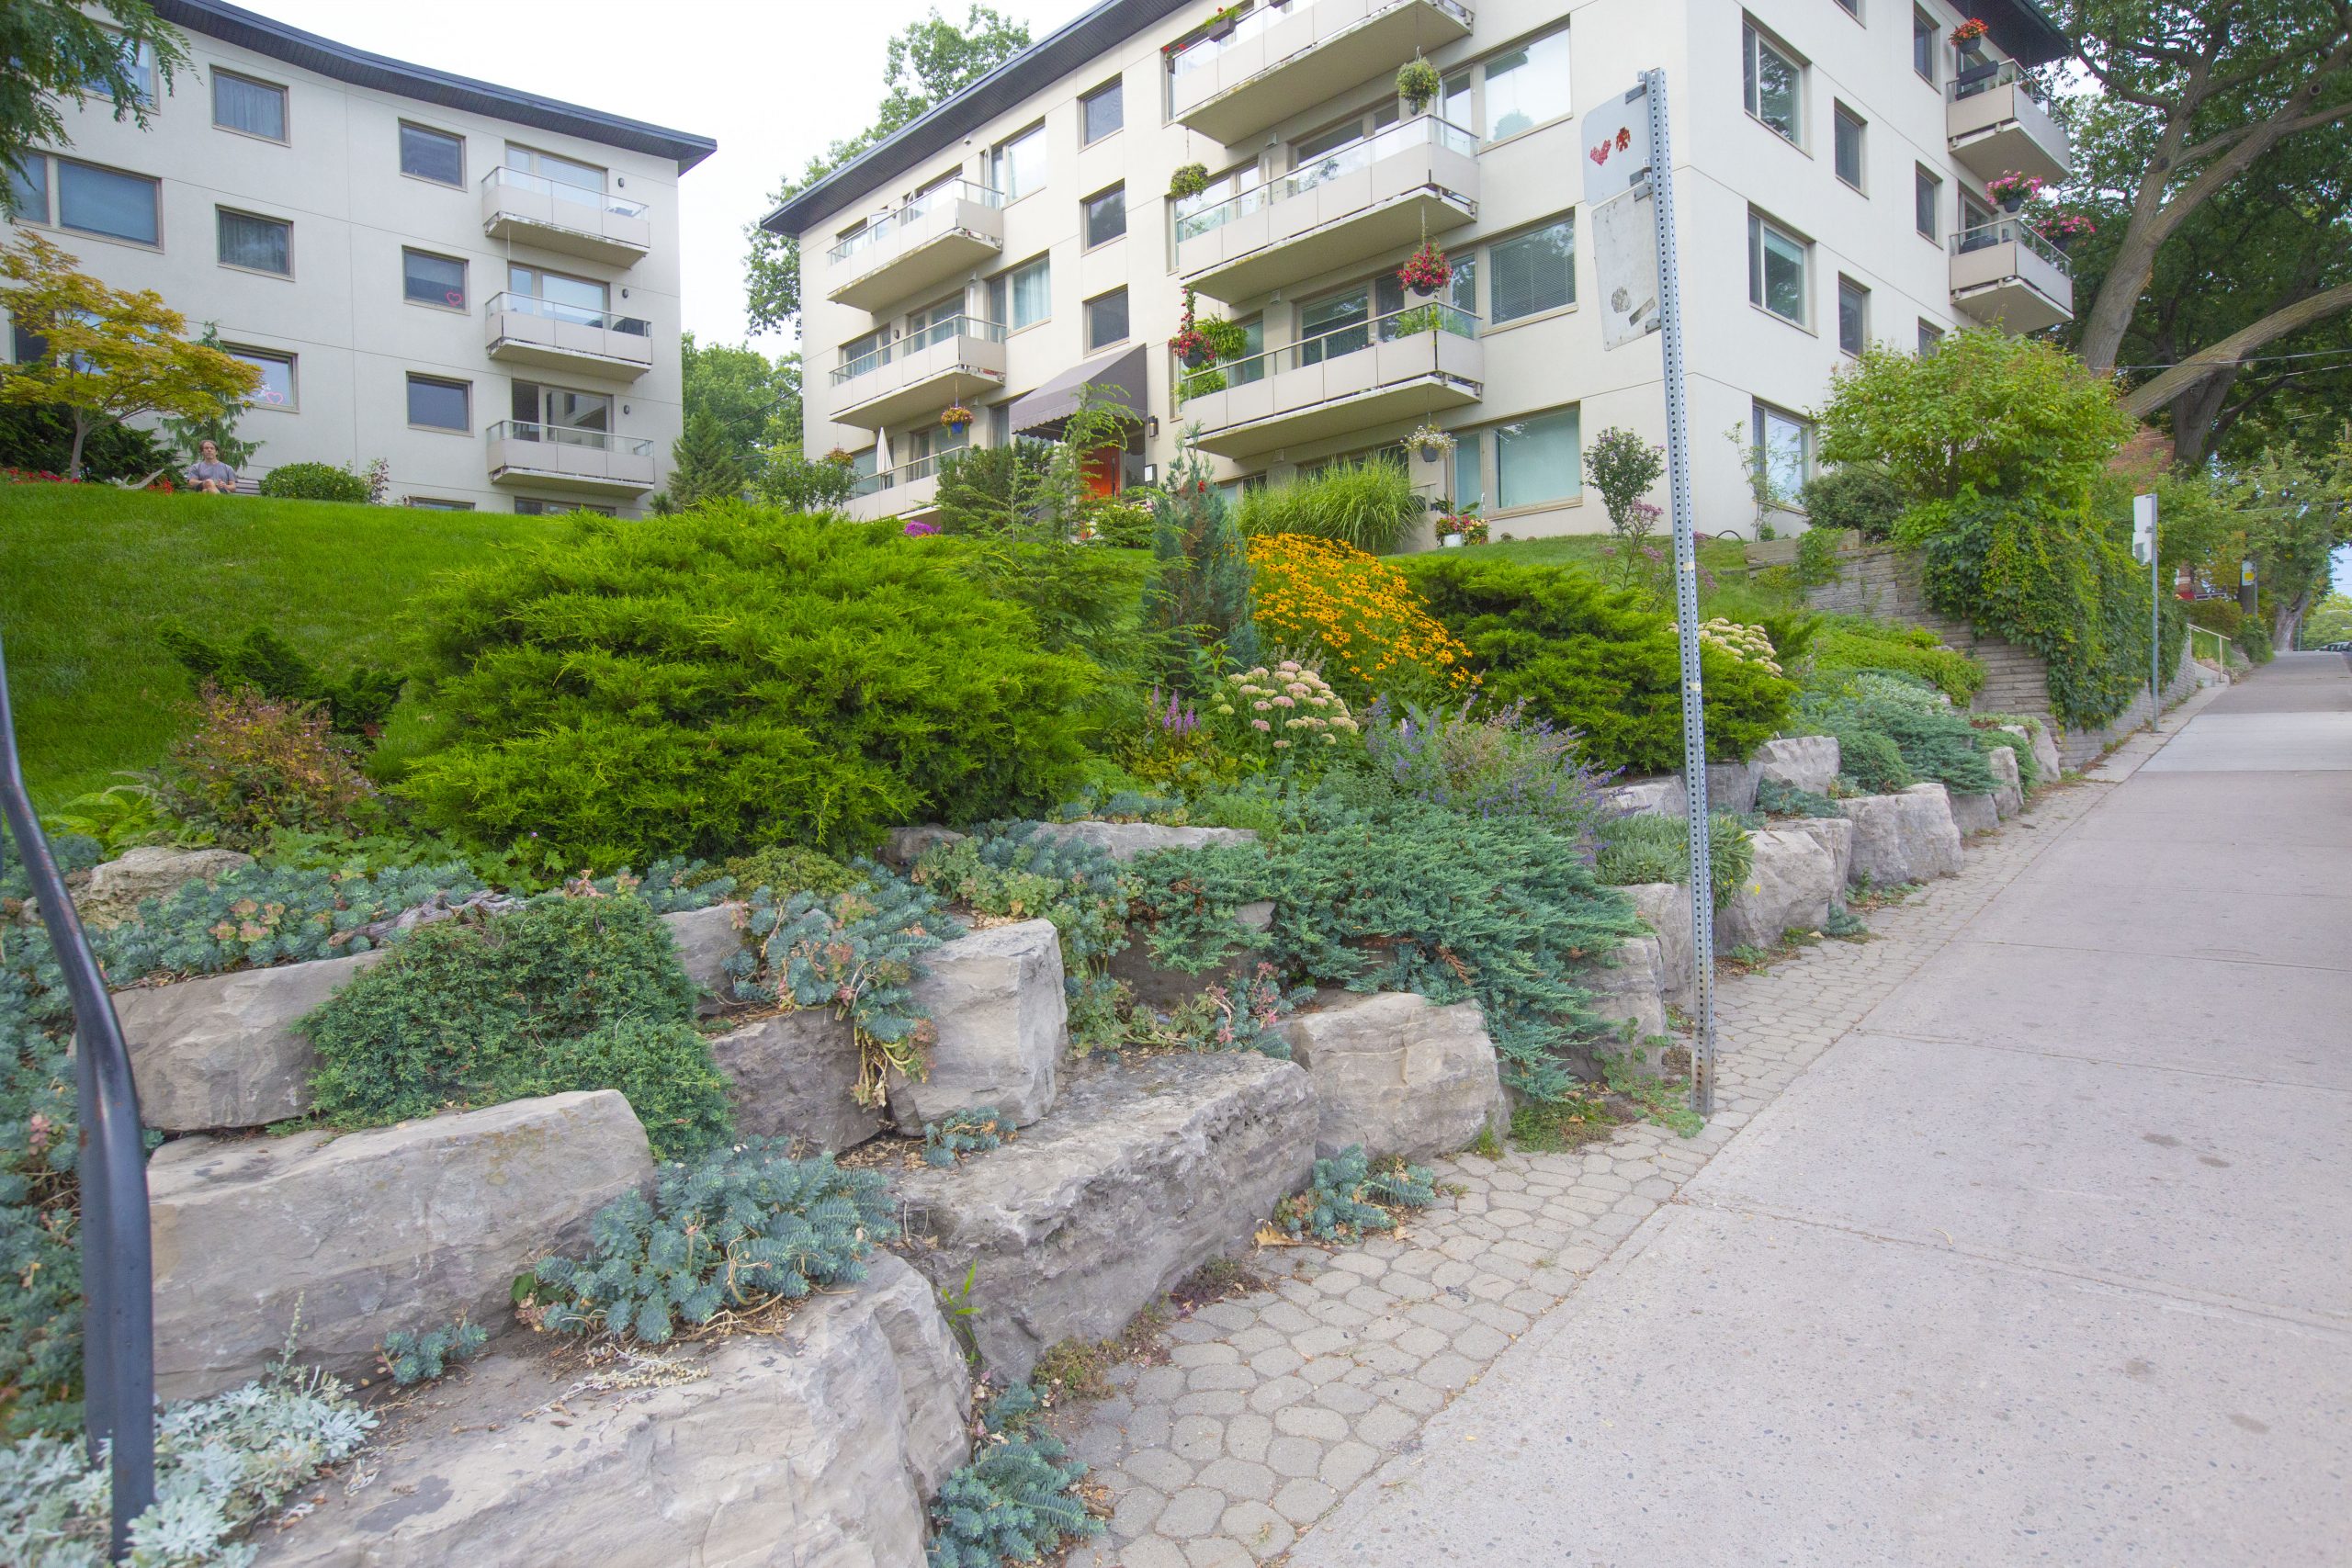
x=1203, y=49
x=1979, y=80
x=2011, y=230
x=937, y=332
x=1424, y=130
x=890, y=222
x=511, y=303
x=905, y=474
x=1335, y=341
x=567, y=436
x=565, y=194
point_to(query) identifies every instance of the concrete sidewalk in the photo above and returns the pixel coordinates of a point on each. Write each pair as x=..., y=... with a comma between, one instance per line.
x=2049, y=1260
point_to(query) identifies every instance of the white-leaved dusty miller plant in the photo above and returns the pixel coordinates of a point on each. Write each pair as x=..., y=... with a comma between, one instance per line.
x=220, y=1463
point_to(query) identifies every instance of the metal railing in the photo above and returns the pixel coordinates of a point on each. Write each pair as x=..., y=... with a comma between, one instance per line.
x=906, y=473
x=563, y=190
x=890, y=222
x=1200, y=50
x=571, y=435
x=1421, y=131
x=1353, y=338
x=938, y=332
x=118, y=1268
x=2221, y=643
x=511, y=303
x=1981, y=79
x=2008, y=230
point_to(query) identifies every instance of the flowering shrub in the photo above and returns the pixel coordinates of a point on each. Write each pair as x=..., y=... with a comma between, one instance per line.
x=1505, y=764
x=956, y=416
x=1750, y=645
x=1268, y=713
x=255, y=764
x=34, y=477
x=920, y=529
x=1379, y=636
x=1426, y=270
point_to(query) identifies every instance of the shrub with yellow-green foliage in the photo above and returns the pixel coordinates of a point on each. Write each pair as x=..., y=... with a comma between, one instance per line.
x=1857, y=642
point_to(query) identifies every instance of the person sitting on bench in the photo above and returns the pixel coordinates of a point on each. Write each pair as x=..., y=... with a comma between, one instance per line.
x=210, y=475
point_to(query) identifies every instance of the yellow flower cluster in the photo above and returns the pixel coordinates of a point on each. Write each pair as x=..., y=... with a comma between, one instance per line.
x=1747, y=644
x=1360, y=611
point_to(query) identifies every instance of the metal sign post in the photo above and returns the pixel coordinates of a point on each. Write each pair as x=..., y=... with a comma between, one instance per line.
x=2144, y=545
x=1625, y=142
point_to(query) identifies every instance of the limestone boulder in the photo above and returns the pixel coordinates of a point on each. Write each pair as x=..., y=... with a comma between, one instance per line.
x=1836, y=836
x=1799, y=762
x=224, y=1050
x=116, y=887
x=1907, y=837
x=1396, y=1072
x=2046, y=760
x=402, y=1227
x=995, y=997
x=1167, y=986
x=705, y=940
x=1731, y=787
x=1629, y=989
x=795, y=1076
x=1790, y=887
x=1124, y=841
x=1974, y=814
x=1649, y=798
x=2009, y=787
x=1144, y=1172
x=1667, y=906
x=815, y=1446
x=904, y=846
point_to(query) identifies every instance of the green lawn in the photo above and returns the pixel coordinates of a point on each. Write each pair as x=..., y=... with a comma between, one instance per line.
x=88, y=573
x=1727, y=558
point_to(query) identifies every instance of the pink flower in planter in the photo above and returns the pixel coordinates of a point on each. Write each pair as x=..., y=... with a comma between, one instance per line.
x=919, y=530
x=1259, y=724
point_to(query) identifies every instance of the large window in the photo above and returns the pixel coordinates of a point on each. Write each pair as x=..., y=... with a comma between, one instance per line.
x=427, y=279
x=1018, y=166
x=1783, y=451
x=860, y=355
x=1849, y=128
x=1101, y=112
x=103, y=201
x=1927, y=196
x=1533, y=272
x=277, y=389
x=1538, y=460
x=433, y=155
x=1106, y=216
x=1853, y=316
x=564, y=297
x=437, y=404
x=1106, y=318
x=1775, y=84
x=250, y=108
x=1923, y=45
x=256, y=243
x=561, y=414
x=532, y=506
x=138, y=61
x=29, y=187
x=564, y=174
x=1029, y=294
x=1528, y=86
x=1341, y=325
x=1776, y=267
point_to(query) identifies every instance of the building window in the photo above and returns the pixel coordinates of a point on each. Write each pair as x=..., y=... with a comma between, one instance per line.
x=1853, y=316
x=28, y=188
x=1775, y=84
x=1784, y=450
x=1533, y=272
x=1469, y=478
x=1926, y=192
x=1528, y=86
x=1029, y=294
x=1930, y=337
x=138, y=61
x=1106, y=318
x=1100, y=113
x=861, y=355
x=532, y=506
x=1776, y=265
x=1106, y=216
x=559, y=414
x=428, y=279
x=433, y=155
x=1018, y=166
x=257, y=244
x=1849, y=127
x=1851, y=7
x=92, y=200
x=277, y=388
x=1538, y=460
x=581, y=300
x=570, y=178
x=865, y=463
x=1923, y=46
x=436, y=404
x=247, y=106
x=434, y=503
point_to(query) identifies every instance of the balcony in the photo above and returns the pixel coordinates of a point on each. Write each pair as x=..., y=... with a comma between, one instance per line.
x=521, y=330
x=550, y=215
x=1406, y=365
x=583, y=462
x=940, y=235
x=1289, y=53
x=922, y=373
x=1997, y=125
x=1372, y=197
x=2006, y=274
x=907, y=490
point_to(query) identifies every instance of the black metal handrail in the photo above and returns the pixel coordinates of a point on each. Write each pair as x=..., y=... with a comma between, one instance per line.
x=118, y=1270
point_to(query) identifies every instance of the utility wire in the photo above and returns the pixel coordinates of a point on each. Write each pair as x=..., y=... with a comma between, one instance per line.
x=2249, y=359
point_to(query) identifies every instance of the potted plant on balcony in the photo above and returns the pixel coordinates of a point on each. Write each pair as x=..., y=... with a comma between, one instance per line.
x=1425, y=271
x=1416, y=83
x=2066, y=228
x=2013, y=190
x=956, y=418
x=1188, y=180
x=1430, y=442
x=1222, y=19
x=1972, y=30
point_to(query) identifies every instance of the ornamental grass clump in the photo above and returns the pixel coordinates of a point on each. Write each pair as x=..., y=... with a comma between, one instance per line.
x=1651, y=848
x=1371, y=505
x=1377, y=637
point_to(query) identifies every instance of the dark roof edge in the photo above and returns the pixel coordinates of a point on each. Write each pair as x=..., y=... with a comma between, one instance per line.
x=234, y=23
x=1057, y=55
x=2025, y=31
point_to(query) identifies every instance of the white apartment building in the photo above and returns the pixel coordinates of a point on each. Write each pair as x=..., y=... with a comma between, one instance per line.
x=477, y=285
x=1018, y=241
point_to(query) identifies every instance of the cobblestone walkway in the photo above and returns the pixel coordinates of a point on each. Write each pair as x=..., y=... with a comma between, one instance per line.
x=1271, y=1405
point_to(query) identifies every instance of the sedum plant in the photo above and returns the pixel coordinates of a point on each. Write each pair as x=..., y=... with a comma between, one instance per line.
x=958, y=1132
x=256, y=916
x=1351, y=1194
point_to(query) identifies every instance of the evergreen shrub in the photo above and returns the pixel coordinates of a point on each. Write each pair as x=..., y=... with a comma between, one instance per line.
x=1861, y=496
x=1857, y=642
x=315, y=481
x=731, y=677
x=1649, y=847
x=265, y=663
x=1933, y=740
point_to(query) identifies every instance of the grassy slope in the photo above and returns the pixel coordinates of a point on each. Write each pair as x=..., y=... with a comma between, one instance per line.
x=88, y=574
x=1727, y=558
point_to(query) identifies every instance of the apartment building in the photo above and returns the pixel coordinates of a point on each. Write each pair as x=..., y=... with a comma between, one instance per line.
x=477, y=285
x=1019, y=240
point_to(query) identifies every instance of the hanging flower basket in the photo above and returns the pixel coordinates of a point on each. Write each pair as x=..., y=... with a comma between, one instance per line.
x=1969, y=32
x=1416, y=83
x=1432, y=442
x=956, y=418
x=1188, y=180
x=1426, y=271
x=2013, y=190
x=2066, y=228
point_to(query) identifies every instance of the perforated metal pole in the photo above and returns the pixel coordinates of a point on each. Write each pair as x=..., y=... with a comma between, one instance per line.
x=1686, y=596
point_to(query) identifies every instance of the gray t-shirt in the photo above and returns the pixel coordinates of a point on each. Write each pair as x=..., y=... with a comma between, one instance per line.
x=218, y=473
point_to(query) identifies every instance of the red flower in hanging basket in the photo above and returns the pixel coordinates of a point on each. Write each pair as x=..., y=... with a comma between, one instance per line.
x=1426, y=271
x=1193, y=346
x=1970, y=30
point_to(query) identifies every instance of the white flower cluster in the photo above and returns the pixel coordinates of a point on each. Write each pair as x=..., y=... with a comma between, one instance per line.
x=1746, y=643
x=1285, y=698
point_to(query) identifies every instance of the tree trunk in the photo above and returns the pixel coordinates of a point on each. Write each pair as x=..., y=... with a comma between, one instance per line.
x=2228, y=353
x=81, y=434
x=2193, y=414
x=2287, y=619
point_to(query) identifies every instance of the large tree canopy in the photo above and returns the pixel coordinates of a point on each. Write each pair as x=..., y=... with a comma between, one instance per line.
x=930, y=61
x=54, y=51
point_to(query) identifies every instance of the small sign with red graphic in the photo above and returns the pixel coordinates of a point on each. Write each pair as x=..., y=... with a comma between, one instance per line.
x=1616, y=141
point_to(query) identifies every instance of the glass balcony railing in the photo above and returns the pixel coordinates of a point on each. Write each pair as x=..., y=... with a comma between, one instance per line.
x=889, y=223
x=904, y=474
x=1424, y=130
x=564, y=191
x=571, y=315
x=1978, y=79
x=1200, y=50
x=1353, y=337
x=2005, y=231
x=571, y=435
x=914, y=342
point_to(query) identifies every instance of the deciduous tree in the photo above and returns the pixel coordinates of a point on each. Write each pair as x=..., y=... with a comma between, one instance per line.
x=55, y=50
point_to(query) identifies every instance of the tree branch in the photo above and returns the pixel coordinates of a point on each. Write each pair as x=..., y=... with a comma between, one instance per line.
x=2233, y=350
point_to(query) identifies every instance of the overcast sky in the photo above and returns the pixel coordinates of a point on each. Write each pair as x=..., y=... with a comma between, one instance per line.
x=771, y=81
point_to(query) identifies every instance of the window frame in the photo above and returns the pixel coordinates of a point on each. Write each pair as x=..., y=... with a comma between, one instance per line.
x=221, y=214
x=1931, y=337
x=1116, y=90
x=464, y=307
x=1486, y=132
x=408, y=402
x=1860, y=293
x=1925, y=27
x=1485, y=267
x=1755, y=39
x=1086, y=217
x=58, y=163
x=434, y=503
x=1840, y=116
x=399, y=154
x=1928, y=196
x=1011, y=277
x=1126, y=310
x=285, y=106
x=1000, y=162
x=1762, y=416
x=35, y=170
x=1854, y=9
x=1491, y=441
x=247, y=354
x=1759, y=230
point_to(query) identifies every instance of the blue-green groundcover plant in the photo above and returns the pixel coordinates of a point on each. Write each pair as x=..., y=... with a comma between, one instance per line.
x=1012, y=1503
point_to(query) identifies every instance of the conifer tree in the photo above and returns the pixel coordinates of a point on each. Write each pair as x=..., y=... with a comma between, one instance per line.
x=1196, y=609
x=702, y=469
